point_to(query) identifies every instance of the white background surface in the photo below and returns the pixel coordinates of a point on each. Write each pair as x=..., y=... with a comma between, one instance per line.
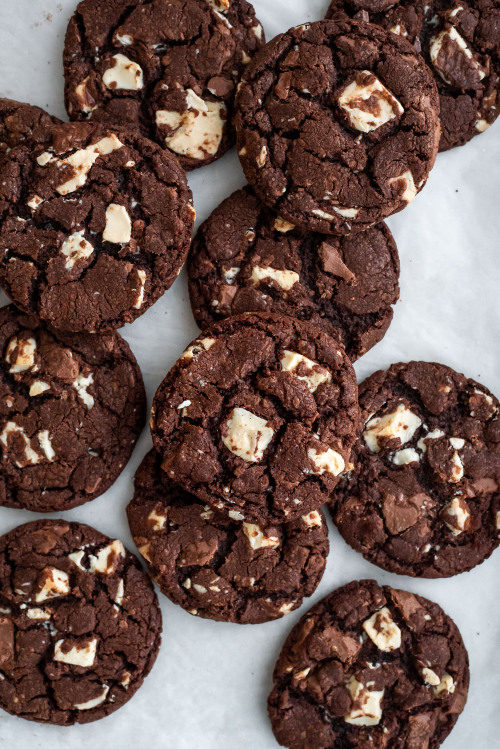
x=209, y=687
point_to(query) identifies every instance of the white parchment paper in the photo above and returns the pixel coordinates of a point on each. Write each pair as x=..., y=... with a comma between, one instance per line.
x=209, y=687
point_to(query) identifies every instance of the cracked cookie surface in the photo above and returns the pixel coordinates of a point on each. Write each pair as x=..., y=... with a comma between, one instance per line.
x=370, y=667
x=168, y=70
x=337, y=125
x=460, y=42
x=423, y=498
x=96, y=225
x=257, y=418
x=71, y=410
x=80, y=625
x=20, y=121
x=215, y=567
x=245, y=258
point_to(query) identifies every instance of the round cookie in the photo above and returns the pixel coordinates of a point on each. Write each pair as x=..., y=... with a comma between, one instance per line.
x=370, y=667
x=19, y=121
x=461, y=44
x=71, y=409
x=245, y=258
x=96, y=225
x=80, y=623
x=423, y=497
x=257, y=418
x=167, y=70
x=337, y=125
x=217, y=568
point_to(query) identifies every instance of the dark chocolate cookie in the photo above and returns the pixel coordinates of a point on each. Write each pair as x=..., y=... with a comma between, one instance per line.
x=258, y=418
x=337, y=125
x=19, y=121
x=167, y=69
x=218, y=568
x=460, y=42
x=245, y=258
x=370, y=667
x=423, y=498
x=71, y=408
x=95, y=226
x=80, y=625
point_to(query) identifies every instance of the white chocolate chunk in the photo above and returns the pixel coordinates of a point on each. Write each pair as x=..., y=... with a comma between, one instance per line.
x=482, y=125
x=383, y=631
x=157, y=520
x=81, y=384
x=257, y=539
x=283, y=226
x=498, y=520
x=76, y=248
x=81, y=161
x=76, y=656
x=235, y=515
x=221, y=5
x=106, y=561
x=55, y=584
x=125, y=74
x=383, y=106
x=90, y=704
x=118, y=228
x=430, y=677
x=458, y=511
x=327, y=461
x=141, y=275
x=457, y=473
x=346, y=212
x=262, y=157
x=286, y=608
x=410, y=189
x=120, y=592
x=31, y=456
x=322, y=214
x=258, y=31
x=366, y=709
x=457, y=443
x=284, y=278
x=144, y=551
x=38, y=614
x=35, y=202
x=313, y=519
x=445, y=685
x=38, y=387
x=434, y=435
x=198, y=131
x=76, y=557
x=124, y=39
x=436, y=45
x=193, y=351
x=401, y=424
x=406, y=456
x=25, y=357
x=46, y=444
x=247, y=435
x=291, y=360
x=81, y=93
x=231, y=274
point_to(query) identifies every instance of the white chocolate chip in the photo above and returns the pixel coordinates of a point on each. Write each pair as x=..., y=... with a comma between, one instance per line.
x=76, y=248
x=498, y=520
x=408, y=185
x=118, y=228
x=406, y=456
x=125, y=74
x=258, y=31
x=35, y=202
x=458, y=512
x=482, y=125
x=445, y=37
x=120, y=592
x=107, y=559
x=445, y=685
x=366, y=709
x=38, y=614
x=247, y=435
x=38, y=387
x=399, y=424
x=157, y=520
x=46, y=444
x=55, y=584
x=382, y=108
x=301, y=675
x=231, y=274
x=346, y=212
x=262, y=157
x=235, y=515
x=25, y=357
x=327, y=461
x=124, y=39
x=31, y=457
x=286, y=608
x=141, y=274
x=457, y=443
x=81, y=384
x=291, y=361
x=256, y=538
x=434, y=435
x=383, y=631
x=322, y=214
x=313, y=519
x=430, y=677
x=81, y=93
x=193, y=351
x=284, y=278
x=457, y=472
x=76, y=557
x=283, y=226
x=198, y=131
x=144, y=551
x=76, y=656
x=90, y=704
x=199, y=589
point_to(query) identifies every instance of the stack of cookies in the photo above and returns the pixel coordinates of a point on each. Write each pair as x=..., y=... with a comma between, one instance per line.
x=260, y=423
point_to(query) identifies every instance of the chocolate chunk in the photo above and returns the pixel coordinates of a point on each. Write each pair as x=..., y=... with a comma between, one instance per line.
x=349, y=136
x=245, y=258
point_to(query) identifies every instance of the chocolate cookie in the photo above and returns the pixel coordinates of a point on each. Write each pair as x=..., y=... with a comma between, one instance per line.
x=71, y=410
x=258, y=418
x=96, y=225
x=337, y=125
x=423, y=497
x=370, y=667
x=19, y=121
x=461, y=44
x=80, y=625
x=215, y=567
x=168, y=70
x=245, y=258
